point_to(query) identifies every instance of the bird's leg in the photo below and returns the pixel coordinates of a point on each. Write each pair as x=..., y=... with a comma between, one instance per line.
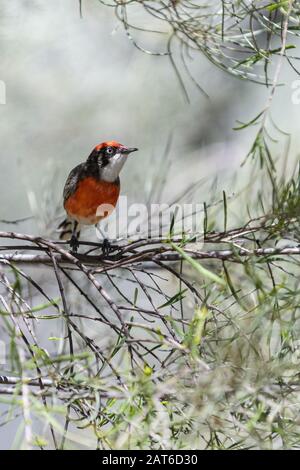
x=106, y=246
x=74, y=243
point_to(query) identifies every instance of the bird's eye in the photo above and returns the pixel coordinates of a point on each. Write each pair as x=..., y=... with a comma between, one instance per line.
x=109, y=150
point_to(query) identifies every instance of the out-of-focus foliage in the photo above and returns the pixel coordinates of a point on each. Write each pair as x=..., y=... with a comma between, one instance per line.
x=240, y=37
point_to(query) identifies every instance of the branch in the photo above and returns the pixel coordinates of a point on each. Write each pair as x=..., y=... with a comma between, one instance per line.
x=81, y=390
x=163, y=254
x=8, y=380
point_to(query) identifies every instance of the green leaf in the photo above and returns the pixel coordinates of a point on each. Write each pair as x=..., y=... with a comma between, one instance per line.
x=274, y=6
x=148, y=371
x=198, y=267
x=194, y=334
x=176, y=298
x=225, y=210
x=40, y=441
x=136, y=292
x=38, y=308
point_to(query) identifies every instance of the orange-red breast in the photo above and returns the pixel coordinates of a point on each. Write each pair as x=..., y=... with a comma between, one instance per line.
x=89, y=186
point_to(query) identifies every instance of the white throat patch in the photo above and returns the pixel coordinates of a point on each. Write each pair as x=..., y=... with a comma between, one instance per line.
x=112, y=170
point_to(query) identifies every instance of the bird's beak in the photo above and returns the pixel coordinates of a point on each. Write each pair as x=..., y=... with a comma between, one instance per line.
x=128, y=150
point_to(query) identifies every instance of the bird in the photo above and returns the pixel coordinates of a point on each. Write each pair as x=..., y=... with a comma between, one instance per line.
x=91, y=184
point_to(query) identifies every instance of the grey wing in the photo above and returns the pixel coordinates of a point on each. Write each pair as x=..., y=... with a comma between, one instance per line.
x=72, y=181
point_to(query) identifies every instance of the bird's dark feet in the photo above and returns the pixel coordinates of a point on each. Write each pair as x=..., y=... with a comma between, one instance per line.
x=74, y=244
x=106, y=247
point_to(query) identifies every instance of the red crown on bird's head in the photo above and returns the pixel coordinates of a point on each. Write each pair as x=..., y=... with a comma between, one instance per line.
x=110, y=143
x=115, y=145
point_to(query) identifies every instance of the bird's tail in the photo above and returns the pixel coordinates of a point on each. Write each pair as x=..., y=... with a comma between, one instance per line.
x=67, y=228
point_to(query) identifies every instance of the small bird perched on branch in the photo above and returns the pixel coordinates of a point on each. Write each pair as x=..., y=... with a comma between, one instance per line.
x=89, y=186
